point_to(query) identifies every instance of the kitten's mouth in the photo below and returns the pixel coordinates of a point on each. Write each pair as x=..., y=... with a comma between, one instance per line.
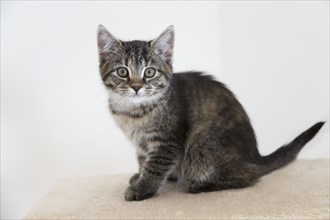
x=136, y=98
x=136, y=95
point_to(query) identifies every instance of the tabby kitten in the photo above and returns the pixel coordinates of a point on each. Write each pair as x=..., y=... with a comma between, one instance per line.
x=185, y=125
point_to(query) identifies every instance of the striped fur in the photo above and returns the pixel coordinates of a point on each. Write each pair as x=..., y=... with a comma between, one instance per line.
x=186, y=126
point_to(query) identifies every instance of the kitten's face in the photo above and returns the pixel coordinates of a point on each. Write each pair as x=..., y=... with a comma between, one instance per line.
x=135, y=72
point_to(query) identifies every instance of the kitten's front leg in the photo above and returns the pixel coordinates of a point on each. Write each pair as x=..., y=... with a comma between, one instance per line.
x=159, y=162
x=141, y=158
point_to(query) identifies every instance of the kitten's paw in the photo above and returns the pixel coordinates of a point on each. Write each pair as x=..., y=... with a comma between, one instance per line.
x=135, y=193
x=133, y=180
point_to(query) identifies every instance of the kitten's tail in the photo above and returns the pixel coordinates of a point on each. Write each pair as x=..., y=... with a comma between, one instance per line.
x=287, y=153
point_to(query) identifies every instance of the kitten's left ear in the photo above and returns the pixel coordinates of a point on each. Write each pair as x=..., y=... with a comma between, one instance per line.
x=106, y=42
x=164, y=43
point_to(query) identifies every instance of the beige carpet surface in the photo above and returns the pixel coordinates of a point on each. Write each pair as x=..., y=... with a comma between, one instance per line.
x=298, y=191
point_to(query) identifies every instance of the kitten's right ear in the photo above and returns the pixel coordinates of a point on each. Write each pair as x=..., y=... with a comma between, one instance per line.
x=164, y=43
x=106, y=42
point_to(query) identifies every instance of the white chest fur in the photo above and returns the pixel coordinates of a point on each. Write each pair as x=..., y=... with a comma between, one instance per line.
x=134, y=128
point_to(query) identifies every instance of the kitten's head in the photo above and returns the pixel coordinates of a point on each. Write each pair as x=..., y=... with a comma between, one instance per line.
x=135, y=71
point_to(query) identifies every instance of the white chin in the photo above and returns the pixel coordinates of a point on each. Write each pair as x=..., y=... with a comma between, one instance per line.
x=137, y=99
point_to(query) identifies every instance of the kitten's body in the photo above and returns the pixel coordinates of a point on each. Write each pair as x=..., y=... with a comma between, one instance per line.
x=203, y=122
x=185, y=125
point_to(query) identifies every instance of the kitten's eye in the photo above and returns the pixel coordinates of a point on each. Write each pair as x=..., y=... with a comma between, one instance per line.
x=149, y=72
x=122, y=72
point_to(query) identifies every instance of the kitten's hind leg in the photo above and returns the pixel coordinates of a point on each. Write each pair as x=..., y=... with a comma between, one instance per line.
x=214, y=162
x=200, y=186
x=235, y=174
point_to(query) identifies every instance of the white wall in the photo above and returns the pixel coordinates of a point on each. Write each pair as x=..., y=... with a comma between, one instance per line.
x=54, y=117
